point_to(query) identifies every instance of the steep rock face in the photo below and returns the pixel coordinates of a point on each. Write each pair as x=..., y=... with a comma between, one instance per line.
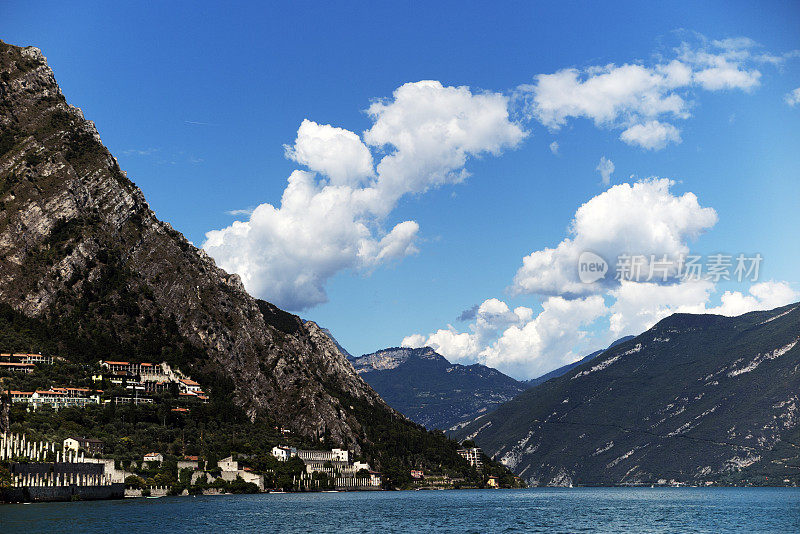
x=431, y=391
x=81, y=249
x=695, y=399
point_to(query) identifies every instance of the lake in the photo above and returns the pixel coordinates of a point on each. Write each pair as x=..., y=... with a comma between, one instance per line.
x=710, y=510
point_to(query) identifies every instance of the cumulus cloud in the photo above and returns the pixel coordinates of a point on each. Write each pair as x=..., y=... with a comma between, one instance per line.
x=652, y=135
x=552, y=338
x=638, y=306
x=639, y=98
x=793, y=97
x=554, y=147
x=643, y=218
x=606, y=169
x=576, y=318
x=525, y=344
x=331, y=217
x=336, y=153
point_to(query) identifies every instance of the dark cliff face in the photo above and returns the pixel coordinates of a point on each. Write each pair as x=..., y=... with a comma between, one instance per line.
x=696, y=399
x=431, y=391
x=81, y=250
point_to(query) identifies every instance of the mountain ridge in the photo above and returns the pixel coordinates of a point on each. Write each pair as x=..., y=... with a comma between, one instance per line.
x=426, y=387
x=89, y=272
x=566, y=368
x=696, y=399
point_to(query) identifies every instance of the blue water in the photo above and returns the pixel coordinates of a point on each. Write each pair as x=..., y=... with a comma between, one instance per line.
x=710, y=510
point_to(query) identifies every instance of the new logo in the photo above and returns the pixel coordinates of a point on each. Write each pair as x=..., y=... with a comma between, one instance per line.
x=591, y=267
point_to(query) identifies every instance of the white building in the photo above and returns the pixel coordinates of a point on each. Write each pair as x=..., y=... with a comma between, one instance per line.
x=473, y=456
x=334, y=455
x=155, y=457
x=187, y=385
x=57, y=397
x=228, y=464
x=283, y=452
x=189, y=462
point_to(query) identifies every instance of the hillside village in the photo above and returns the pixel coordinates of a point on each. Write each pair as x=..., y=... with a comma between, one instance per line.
x=118, y=382
x=44, y=386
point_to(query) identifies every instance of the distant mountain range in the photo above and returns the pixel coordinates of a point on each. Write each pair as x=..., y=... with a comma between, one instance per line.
x=696, y=399
x=428, y=389
x=431, y=391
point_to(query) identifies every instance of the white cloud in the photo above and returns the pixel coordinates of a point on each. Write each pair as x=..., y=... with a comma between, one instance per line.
x=527, y=345
x=644, y=218
x=433, y=129
x=724, y=67
x=240, y=212
x=607, y=94
x=287, y=253
x=638, y=306
x=641, y=218
x=640, y=98
x=793, y=97
x=554, y=147
x=552, y=338
x=334, y=152
x=763, y=296
x=652, y=135
x=606, y=169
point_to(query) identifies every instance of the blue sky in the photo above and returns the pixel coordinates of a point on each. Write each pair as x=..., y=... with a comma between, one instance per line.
x=197, y=102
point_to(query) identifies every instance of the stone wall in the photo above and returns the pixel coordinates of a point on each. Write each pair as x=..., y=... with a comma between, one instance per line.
x=62, y=493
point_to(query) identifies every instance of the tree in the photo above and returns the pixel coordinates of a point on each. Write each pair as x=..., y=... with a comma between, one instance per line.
x=135, y=482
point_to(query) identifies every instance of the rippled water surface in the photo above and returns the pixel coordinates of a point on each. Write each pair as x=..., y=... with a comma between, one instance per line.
x=534, y=510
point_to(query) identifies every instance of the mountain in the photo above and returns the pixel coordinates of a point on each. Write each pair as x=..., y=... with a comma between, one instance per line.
x=431, y=391
x=88, y=272
x=338, y=345
x=563, y=370
x=695, y=399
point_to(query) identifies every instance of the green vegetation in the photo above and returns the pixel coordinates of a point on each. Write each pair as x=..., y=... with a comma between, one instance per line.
x=214, y=430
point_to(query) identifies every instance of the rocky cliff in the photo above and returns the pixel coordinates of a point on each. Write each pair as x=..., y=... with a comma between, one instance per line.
x=81, y=251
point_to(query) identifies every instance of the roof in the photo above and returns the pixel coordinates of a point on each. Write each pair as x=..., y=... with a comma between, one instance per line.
x=180, y=410
x=189, y=382
x=16, y=364
x=146, y=364
x=50, y=392
x=152, y=454
x=116, y=363
x=192, y=458
x=21, y=392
